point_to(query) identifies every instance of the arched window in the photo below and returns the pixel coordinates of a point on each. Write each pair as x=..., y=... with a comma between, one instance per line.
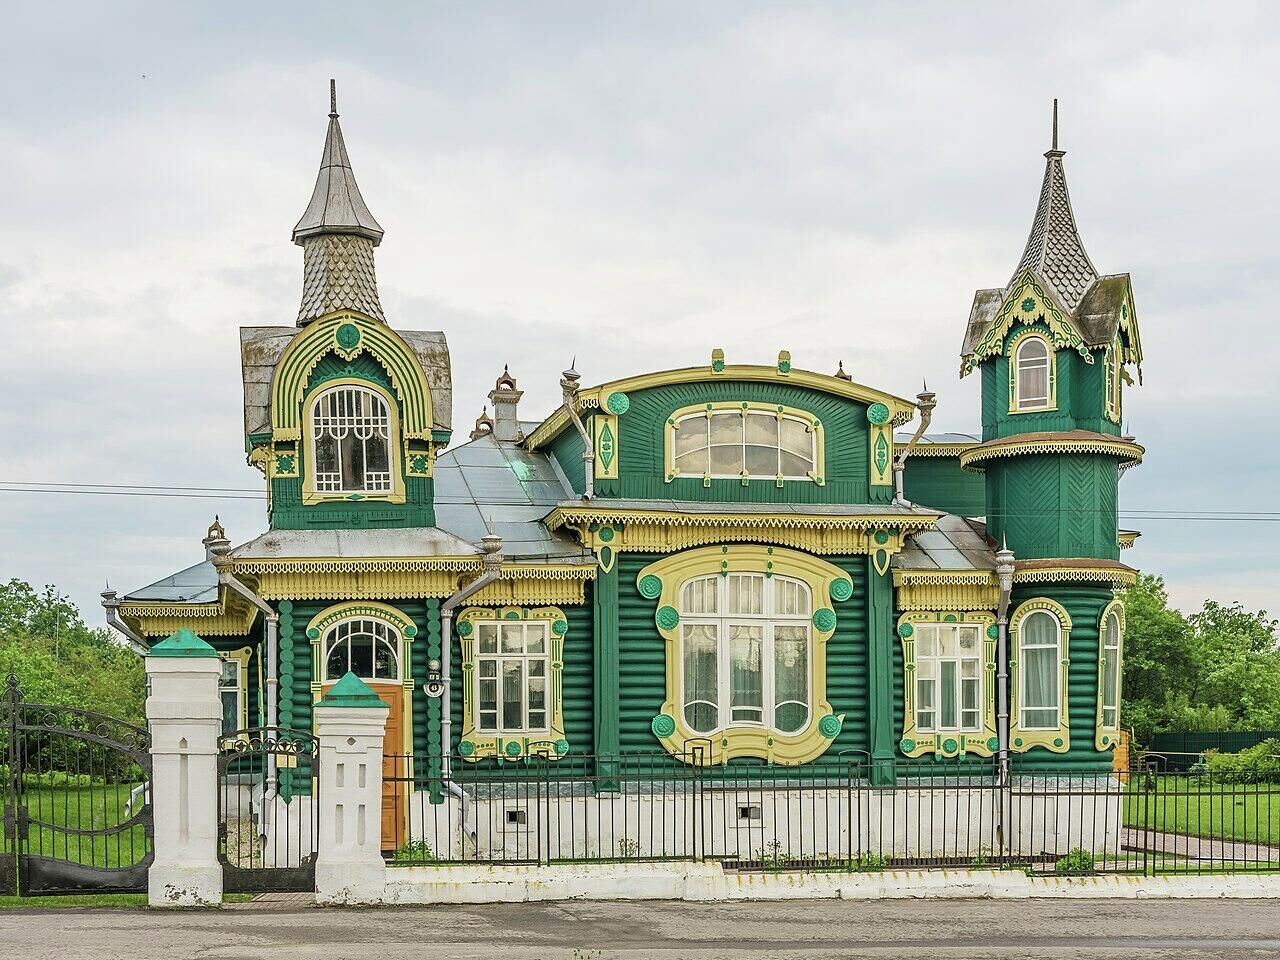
x=1110, y=670
x=1113, y=371
x=1032, y=374
x=745, y=652
x=366, y=647
x=1039, y=673
x=350, y=441
x=742, y=441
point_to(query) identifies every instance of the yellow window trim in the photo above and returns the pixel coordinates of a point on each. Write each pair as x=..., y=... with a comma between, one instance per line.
x=1057, y=740
x=475, y=745
x=662, y=582
x=1107, y=738
x=396, y=495
x=241, y=657
x=1029, y=333
x=948, y=743
x=744, y=407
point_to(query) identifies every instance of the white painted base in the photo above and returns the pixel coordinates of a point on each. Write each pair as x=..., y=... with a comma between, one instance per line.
x=182, y=886
x=350, y=884
x=706, y=882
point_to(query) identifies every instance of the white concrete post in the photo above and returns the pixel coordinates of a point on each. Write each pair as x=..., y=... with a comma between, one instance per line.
x=184, y=713
x=350, y=722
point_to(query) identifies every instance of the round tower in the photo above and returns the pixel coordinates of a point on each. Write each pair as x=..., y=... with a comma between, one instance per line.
x=1054, y=347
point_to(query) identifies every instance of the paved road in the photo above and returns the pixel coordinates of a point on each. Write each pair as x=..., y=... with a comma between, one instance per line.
x=938, y=930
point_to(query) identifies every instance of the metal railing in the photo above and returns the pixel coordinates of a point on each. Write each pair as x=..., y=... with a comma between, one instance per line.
x=833, y=816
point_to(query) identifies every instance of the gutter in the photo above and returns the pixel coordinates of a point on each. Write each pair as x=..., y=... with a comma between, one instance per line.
x=926, y=402
x=569, y=388
x=1004, y=575
x=112, y=606
x=491, y=544
x=223, y=564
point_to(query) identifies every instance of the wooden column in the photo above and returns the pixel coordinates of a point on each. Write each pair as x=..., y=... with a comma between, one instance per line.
x=607, y=732
x=880, y=638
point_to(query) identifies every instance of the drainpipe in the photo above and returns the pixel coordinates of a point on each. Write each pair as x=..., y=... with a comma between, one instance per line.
x=491, y=544
x=1004, y=576
x=223, y=564
x=569, y=387
x=926, y=401
x=112, y=606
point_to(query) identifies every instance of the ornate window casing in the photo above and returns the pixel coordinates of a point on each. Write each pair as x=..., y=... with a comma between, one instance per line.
x=1113, y=367
x=233, y=689
x=1033, y=373
x=948, y=685
x=746, y=630
x=1110, y=664
x=361, y=625
x=352, y=437
x=1039, y=634
x=512, y=682
x=744, y=441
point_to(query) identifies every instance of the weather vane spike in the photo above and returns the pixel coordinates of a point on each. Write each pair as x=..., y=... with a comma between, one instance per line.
x=333, y=100
x=1055, y=123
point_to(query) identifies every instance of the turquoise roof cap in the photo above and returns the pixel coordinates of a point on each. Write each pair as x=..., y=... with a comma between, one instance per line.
x=351, y=691
x=182, y=643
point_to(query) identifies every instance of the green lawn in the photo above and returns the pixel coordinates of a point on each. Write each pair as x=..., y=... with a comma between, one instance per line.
x=97, y=807
x=1224, y=811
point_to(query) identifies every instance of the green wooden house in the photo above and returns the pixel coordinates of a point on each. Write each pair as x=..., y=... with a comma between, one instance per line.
x=728, y=565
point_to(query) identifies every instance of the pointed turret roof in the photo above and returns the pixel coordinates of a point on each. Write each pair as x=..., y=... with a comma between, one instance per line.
x=1054, y=250
x=336, y=205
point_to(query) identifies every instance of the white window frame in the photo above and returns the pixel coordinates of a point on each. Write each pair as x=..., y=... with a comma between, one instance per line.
x=978, y=659
x=768, y=620
x=236, y=667
x=1024, y=673
x=745, y=413
x=1024, y=403
x=337, y=423
x=1108, y=651
x=526, y=660
x=379, y=631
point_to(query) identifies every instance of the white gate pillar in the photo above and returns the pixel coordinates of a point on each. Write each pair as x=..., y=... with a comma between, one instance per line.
x=184, y=713
x=350, y=722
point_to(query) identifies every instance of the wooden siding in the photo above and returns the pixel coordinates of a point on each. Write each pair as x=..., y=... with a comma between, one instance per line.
x=938, y=482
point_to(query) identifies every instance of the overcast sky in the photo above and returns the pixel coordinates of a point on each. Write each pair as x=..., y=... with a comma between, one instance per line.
x=633, y=183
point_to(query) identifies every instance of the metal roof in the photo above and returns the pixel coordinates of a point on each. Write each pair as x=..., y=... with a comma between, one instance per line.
x=930, y=439
x=953, y=544
x=491, y=484
x=408, y=542
x=336, y=204
x=1054, y=251
x=196, y=584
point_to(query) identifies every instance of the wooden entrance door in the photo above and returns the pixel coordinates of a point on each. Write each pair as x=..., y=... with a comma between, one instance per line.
x=395, y=764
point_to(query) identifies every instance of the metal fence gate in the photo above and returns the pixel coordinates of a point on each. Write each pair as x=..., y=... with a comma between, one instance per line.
x=75, y=797
x=268, y=810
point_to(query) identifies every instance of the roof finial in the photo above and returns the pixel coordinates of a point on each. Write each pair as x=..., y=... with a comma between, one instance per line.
x=1055, y=125
x=333, y=99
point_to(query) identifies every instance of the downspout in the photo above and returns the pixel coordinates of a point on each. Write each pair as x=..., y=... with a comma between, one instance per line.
x=492, y=547
x=926, y=402
x=112, y=606
x=1004, y=576
x=569, y=387
x=223, y=564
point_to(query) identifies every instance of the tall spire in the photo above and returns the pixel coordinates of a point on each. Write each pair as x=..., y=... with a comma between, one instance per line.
x=1054, y=250
x=337, y=234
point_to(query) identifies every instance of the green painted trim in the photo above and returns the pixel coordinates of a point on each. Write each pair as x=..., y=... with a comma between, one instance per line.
x=608, y=668
x=182, y=643
x=351, y=691
x=880, y=639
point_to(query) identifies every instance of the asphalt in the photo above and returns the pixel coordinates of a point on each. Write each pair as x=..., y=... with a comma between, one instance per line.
x=812, y=930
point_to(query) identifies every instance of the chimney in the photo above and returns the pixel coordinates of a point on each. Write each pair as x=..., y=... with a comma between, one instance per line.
x=504, y=396
x=215, y=542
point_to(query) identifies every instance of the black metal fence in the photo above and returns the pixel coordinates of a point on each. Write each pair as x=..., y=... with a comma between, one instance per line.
x=644, y=808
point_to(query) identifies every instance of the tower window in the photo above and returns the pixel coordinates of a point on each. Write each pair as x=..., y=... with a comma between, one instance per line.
x=1039, y=656
x=1032, y=387
x=351, y=441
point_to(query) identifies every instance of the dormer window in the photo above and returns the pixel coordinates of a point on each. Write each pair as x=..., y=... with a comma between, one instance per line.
x=1032, y=380
x=351, y=431
x=743, y=441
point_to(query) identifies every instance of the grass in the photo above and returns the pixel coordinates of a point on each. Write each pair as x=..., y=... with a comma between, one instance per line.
x=97, y=807
x=92, y=901
x=1182, y=804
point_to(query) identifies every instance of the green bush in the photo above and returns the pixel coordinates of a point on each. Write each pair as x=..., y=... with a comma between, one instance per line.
x=1078, y=863
x=414, y=851
x=1257, y=764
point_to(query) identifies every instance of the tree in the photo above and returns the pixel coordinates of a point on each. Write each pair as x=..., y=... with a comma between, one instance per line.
x=59, y=660
x=1218, y=669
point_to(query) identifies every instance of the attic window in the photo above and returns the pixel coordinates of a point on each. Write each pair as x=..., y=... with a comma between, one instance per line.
x=351, y=442
x=1032, y=386
x=742, y=441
